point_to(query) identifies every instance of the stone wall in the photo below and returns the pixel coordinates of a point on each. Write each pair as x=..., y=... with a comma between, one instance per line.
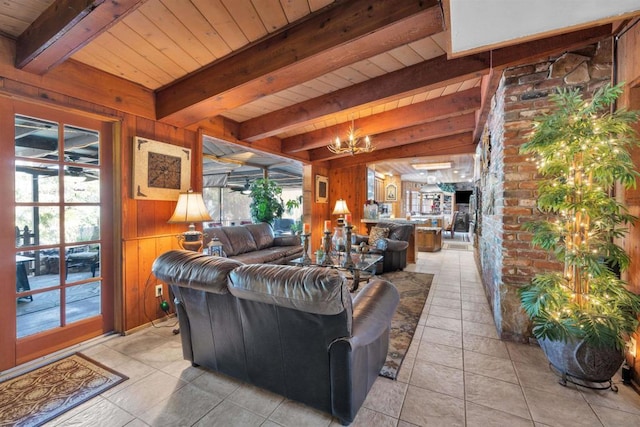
x=508, y=180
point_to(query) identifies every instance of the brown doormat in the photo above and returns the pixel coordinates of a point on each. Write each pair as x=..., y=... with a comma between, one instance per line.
x=414, y=289
x=38, y=396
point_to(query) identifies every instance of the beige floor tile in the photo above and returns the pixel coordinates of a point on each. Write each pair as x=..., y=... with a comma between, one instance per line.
x=446, y=293
x=402, y=423
x=171, y=352
x=216, y=383
x=368, y=418
x=146, y=393
x=478, y=316
x=136, y=343
x=255, y=399
x=481, y=329
x=482, y=416
x=489, y=366
x=184, y=407
x=441, y=379
x=488, y=346
x=440, y=354
x=442, y=336
x=386, y=396
x=527, y=353
x=615, y=418
x=446, y=302
x=542, y=378
x=452, y=313
x=559, y=410
x=426, y=407
x=475, y=306
x=294, y=414
x=626, y=399
x=444, y=323
x=405, y=370
x=101, y=414
x=496, y=394
x=228, y=414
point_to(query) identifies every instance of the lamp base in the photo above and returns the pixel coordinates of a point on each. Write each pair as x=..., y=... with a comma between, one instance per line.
x=191, y=241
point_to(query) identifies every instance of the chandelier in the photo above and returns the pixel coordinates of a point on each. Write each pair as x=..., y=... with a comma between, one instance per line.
x=352, y=144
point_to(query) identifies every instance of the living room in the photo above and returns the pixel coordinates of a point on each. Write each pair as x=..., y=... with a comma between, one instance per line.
x=397, y=82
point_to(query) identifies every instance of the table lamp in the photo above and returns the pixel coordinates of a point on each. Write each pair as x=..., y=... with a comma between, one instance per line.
x=341, y=209
x=190, y=209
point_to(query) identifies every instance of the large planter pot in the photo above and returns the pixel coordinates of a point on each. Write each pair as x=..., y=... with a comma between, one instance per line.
x=576, y=360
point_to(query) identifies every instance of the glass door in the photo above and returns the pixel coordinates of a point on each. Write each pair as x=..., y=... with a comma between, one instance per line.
x=63, y=247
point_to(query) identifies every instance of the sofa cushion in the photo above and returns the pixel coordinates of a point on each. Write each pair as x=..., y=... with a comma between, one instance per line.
x=377, y=233
x=194, y=270
x=268, y=255
x=262, y=234
x=219, y=233
x=316, y=290
x=240, y=239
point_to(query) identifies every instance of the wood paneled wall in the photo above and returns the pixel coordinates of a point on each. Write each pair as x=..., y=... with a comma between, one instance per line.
x=628, y=54
x=349, y=184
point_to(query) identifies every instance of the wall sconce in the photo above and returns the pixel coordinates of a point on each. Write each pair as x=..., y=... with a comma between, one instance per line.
x=190, y=209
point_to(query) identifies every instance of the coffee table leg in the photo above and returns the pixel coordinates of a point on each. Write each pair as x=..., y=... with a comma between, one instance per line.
x=356, y=280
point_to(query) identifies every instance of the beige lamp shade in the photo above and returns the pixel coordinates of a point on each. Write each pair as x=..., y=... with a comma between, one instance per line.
x=190, y=208
x=341, y=208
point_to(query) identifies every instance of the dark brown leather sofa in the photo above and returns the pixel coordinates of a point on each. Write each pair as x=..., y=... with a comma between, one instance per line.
x=393, y=248
x=255, y=243
x=292, y=330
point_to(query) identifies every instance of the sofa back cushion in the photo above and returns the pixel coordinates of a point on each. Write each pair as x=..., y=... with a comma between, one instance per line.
x=194, y=270
x=240, y=239
x=262, y=234
x=315, y=290
x=397, y=231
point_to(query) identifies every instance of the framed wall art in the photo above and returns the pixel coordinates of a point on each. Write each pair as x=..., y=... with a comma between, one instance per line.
x=322, y=189
x=160, y=171
x=391, y=193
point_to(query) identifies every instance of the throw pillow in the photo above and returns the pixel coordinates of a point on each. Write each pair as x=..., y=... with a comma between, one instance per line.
x=377, y=233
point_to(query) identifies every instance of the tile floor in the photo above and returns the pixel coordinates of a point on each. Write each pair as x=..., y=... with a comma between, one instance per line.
x=457, y=373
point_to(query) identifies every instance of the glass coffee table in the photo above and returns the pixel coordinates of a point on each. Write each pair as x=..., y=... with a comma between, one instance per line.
x=363, y=268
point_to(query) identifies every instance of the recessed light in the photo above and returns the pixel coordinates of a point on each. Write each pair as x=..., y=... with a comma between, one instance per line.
x=455, y=171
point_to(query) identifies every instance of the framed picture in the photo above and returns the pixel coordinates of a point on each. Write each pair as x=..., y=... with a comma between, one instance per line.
x=322, y=189
x=160, y=171
x=391, y=193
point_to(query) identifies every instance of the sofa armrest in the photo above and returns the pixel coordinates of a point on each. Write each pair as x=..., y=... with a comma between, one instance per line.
x=362, y=238
x=373, y=309
x=356, y=361
x=287, y=241
x=392, y=245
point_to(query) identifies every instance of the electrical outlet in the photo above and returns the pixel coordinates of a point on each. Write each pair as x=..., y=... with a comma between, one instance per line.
x=158, y=290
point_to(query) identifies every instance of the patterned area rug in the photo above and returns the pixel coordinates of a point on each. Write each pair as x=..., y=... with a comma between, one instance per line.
x=458, y=246
x=414, y=289
x=44, y=393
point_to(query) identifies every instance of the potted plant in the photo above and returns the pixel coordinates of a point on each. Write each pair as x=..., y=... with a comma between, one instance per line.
x=266, y=201
x=582, y=315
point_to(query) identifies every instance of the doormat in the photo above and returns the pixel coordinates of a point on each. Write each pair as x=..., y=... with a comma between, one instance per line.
x=38, y=396
x=458, y=246
x=413, y=289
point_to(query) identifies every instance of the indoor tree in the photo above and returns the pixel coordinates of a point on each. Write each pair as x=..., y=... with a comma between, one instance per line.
x=582, y=149
x=266, y=201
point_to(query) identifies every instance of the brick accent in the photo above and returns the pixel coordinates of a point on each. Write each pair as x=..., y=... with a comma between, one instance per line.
x=508, y=185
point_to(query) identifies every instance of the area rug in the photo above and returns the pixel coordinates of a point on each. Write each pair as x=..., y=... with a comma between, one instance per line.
x=44, y=393
x=414, y=289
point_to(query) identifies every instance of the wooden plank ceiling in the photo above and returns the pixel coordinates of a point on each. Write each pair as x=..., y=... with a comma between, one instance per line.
x=286, y=76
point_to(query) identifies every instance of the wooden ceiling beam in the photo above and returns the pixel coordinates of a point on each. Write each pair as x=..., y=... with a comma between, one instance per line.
x=64, y=28
x=449, y=105
x=408, y=135
x=448, y=145
x=332, y=38
x=427, y=75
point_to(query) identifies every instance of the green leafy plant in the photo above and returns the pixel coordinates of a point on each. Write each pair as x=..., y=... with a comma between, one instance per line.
x=582, y=150
x=266, y=201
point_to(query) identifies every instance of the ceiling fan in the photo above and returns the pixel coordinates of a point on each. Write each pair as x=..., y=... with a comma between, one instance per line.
x=244, y=189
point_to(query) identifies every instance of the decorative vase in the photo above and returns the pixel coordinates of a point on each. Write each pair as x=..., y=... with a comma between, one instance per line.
x=338, y=239
x=581, y=363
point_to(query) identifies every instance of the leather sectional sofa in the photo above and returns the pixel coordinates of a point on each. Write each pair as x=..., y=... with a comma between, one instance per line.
x=255, y=243
x=292, y=330
x=393, y=248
